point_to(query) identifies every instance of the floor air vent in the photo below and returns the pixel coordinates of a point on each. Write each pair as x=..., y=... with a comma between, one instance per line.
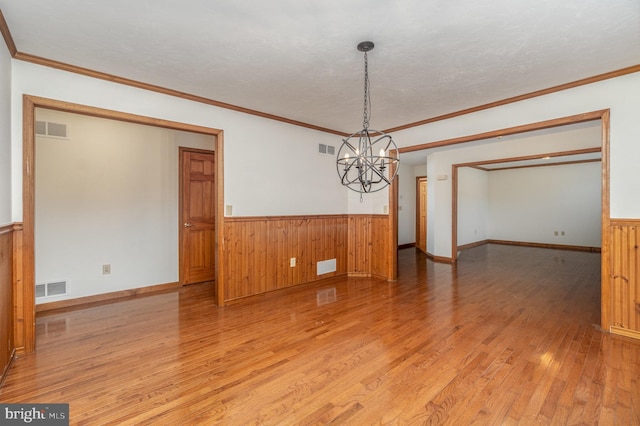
x=57, y=288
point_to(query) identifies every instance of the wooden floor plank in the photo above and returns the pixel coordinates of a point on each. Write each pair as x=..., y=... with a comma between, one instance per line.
x=506, y=336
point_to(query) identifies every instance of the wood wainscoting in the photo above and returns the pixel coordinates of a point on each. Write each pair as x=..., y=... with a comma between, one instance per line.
x=368, y=246
x=625, y=276
x=258, y=250
x=6, y=299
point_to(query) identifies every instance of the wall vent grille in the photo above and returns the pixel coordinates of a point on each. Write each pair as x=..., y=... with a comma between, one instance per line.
x=57, y=288
x=326, y=149
x=52, y=130
x=326, y=266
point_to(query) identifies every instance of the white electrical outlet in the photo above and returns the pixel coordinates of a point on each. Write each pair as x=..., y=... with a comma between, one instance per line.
x=292, y=262
x=106, y=269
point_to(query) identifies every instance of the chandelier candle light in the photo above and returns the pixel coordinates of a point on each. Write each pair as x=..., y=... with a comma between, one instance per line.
x=365, y=156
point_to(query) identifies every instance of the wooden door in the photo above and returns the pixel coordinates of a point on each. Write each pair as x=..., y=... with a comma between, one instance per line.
x=197, y=216
x=421, y=214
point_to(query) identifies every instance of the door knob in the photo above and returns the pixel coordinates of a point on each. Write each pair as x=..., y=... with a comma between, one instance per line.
x=187, y=225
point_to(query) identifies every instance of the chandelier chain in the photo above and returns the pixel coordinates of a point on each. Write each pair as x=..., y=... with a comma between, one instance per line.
x=365, y=117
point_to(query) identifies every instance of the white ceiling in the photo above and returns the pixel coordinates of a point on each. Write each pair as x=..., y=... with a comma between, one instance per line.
x=298, y=59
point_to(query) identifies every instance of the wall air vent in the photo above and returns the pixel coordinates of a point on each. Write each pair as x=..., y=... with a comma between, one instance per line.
x=52, y=130
x=58, y=288
x=326, y=266
x=326, y=149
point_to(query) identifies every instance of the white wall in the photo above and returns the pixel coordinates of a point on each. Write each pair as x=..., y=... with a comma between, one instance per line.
x=271, y=168
x=621, y=95
x=473, y=205
x=5, y=137
x=407, y=201
x=531, y=204
x=406, y=204
x=107, y=195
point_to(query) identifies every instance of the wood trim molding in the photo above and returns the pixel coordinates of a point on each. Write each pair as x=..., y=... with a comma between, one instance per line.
x=540, y=125
x=624, y=222
x=546, y=245
x=219, y=262
x=30, y=103
x=7, y=367
x=165, y=91
x=440, y=259
x=531, y=157
x=287, y=217
x=472, y=245
x=605, y=259
x=18, y=290
x=577, y=83
x=624, y=332
x=6, y=34
x=559, y=163
x=65, y=106
x=115, y=296
x=406, y=246
x=392, y=226
x=454, y=213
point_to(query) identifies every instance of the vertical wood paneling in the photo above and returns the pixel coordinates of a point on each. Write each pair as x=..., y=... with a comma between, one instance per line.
x=359, y=245
x=381, y=247
x=625, y=278
x=6, y=299
x=258, y=250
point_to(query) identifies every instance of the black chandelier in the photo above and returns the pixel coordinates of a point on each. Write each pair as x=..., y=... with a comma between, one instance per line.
x=365, y=156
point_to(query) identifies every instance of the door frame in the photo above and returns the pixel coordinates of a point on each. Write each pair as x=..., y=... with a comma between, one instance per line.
x=181, y=219
x=24, y=311
x=420, y=179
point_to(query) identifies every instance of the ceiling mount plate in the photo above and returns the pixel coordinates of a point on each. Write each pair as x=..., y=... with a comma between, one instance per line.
x=365, y=46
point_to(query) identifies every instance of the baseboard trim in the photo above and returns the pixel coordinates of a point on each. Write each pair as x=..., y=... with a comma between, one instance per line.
x=82, y=302
x=546, y=245
x=472, y=245
x=406, y=246
x=7, y=367
x=439, y=259
x=624, y=332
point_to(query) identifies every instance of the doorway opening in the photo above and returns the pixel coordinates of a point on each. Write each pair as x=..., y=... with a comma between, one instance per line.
x=479, y=139
x=25, y=312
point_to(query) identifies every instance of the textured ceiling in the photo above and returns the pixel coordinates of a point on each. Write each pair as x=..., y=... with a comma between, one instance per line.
x=298, y=59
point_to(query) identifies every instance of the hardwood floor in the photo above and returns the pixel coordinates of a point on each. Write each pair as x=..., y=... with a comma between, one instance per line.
x=508, y=336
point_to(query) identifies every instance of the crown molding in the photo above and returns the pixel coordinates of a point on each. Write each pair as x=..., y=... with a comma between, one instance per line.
x=4, y=29
x=6, y=34
x=582, y=82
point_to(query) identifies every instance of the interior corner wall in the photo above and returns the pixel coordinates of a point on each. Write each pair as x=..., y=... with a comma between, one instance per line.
x=270, y=167
x=548, y=205
x=406, y=204
x=5, y=137
x=620, y=95
x=473, y=205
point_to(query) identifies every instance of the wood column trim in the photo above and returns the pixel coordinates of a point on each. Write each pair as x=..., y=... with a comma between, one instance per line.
x=605, y=278
x=18, y=290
